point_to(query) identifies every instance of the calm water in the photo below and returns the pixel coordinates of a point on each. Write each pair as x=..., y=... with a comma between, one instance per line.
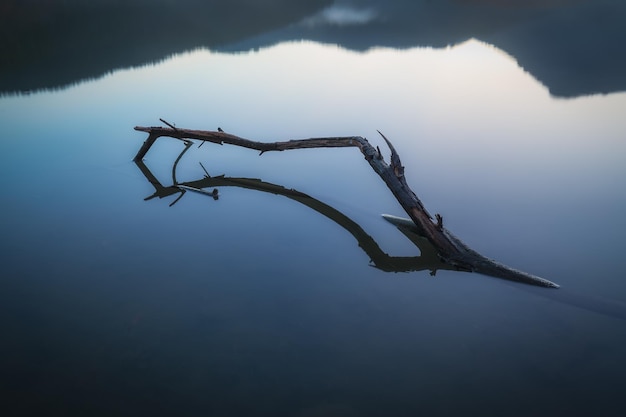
x=255, y=304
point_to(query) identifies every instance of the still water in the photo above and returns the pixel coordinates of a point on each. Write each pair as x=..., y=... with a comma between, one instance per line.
x=255, y=304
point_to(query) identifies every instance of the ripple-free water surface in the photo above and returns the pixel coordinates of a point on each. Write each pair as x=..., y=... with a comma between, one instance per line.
x=257, y=305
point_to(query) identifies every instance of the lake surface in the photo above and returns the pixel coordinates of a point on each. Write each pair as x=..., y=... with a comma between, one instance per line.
x=255, y=304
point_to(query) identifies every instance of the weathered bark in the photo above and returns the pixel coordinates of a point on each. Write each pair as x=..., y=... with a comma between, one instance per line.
x=451, y=250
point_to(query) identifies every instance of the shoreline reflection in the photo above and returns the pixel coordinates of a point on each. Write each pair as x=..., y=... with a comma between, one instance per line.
x=568, y=46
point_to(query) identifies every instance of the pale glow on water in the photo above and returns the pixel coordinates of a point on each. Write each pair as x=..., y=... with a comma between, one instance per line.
x=215, y=289
x=470, y=105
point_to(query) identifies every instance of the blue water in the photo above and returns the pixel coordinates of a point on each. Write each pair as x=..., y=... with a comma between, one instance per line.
x=255, y=304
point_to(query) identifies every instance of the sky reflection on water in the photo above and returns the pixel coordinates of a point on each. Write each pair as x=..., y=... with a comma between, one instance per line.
x=271, y=308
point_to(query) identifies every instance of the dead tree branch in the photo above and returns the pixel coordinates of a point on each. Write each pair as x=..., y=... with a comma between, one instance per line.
x=451, y=250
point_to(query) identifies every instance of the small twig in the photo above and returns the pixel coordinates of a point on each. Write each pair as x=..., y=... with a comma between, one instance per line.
x=205, y=171
x=396, y=164
x=182, y=193
x=169, y=124
x=439, y=221
x=214, y=193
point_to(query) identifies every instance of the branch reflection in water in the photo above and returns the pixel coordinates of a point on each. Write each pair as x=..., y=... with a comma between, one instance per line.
x=428, y=260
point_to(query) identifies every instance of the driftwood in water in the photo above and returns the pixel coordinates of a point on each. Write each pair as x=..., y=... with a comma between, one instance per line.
x=450, y=249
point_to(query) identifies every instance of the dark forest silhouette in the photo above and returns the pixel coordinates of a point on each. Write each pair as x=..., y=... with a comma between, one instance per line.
x=571, y=46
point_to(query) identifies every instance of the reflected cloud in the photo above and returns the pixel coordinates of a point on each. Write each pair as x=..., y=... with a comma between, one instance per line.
x=341, y=15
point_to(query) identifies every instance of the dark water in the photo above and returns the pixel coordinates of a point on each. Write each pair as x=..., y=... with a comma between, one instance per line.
x=257, y=304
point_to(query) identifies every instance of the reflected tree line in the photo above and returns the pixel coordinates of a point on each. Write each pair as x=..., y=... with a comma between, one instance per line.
x=55, y=43
x=571, y=46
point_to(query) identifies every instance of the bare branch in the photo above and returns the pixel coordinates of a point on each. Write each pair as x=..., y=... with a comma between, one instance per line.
x=450, y=249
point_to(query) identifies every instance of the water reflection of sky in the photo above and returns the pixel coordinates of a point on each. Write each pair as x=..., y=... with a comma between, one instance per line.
x=470, y=107
x=257, y=297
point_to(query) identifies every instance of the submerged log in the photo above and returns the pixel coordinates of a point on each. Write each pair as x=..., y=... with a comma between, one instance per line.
x=451, y=250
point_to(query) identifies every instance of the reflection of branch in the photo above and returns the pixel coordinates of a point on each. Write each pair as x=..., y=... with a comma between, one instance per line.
x=188, y=144
x=427, y=260
x=449, y=248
